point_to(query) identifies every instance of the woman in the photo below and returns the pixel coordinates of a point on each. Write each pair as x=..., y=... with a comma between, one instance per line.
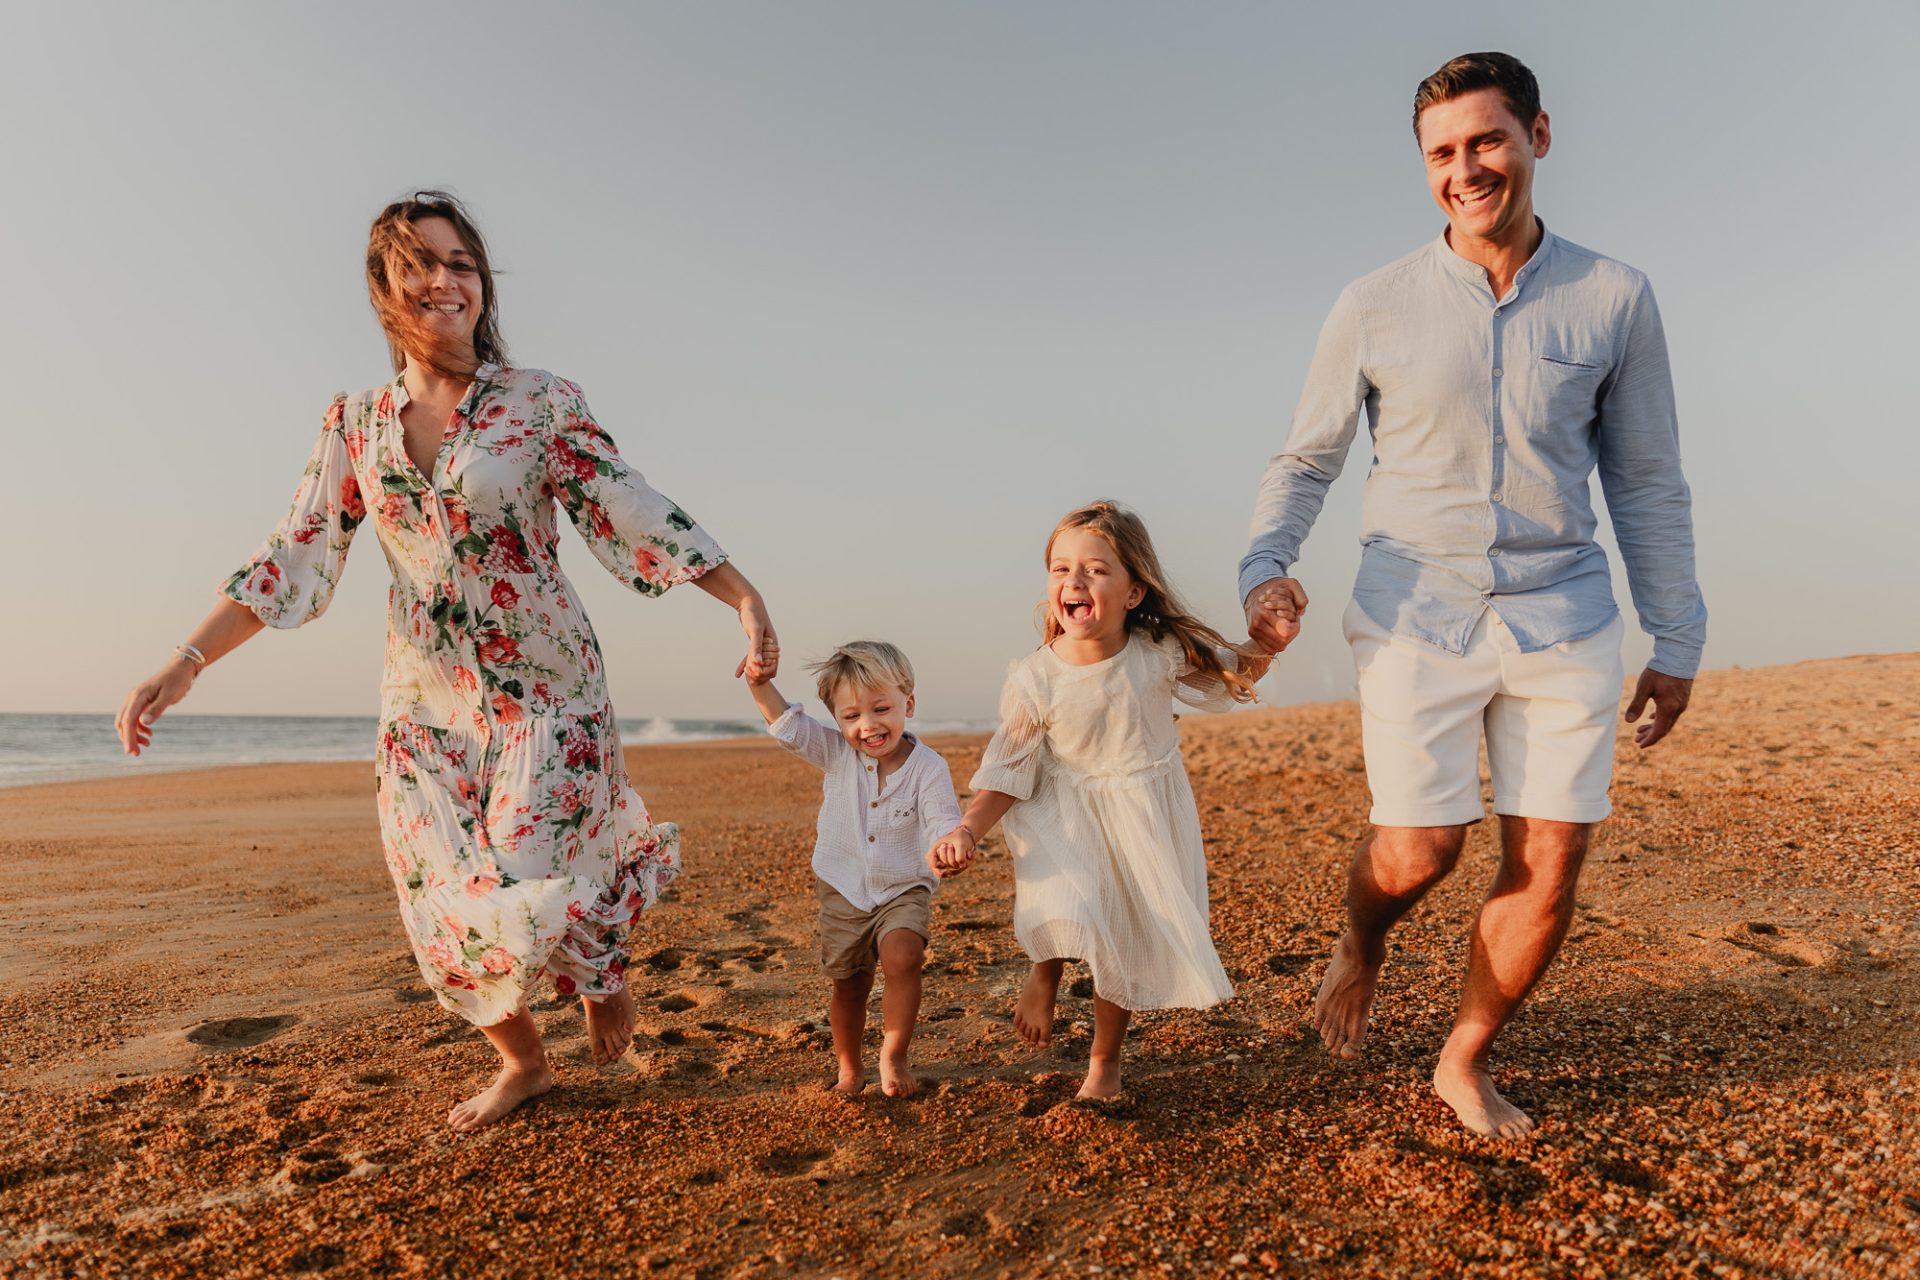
x=516, y=842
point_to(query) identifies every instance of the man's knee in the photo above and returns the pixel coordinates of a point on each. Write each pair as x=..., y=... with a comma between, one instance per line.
x=1402, y=861
x=1544, y=857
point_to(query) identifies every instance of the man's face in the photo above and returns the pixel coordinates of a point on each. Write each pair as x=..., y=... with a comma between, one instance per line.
x=1480, y=159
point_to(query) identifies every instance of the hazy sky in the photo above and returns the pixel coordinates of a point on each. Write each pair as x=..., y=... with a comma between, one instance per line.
x=878, y=291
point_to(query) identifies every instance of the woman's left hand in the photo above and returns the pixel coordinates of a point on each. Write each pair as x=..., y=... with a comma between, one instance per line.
x=762, y=662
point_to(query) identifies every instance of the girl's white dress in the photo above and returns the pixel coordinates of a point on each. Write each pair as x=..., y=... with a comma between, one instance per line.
x=1107, y=860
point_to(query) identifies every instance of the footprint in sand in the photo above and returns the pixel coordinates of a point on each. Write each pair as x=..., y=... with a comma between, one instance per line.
x=677, y=1003
x=239, y=1033
x=1288, y=963
x=790, y=1163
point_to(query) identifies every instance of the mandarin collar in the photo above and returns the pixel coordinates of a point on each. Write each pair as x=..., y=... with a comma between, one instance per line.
x=482, y=373
x=1473, y=271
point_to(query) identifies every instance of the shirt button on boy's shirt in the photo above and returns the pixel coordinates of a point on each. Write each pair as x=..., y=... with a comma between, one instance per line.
x=870, y=839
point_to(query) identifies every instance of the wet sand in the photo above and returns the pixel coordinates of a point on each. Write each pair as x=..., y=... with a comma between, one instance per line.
x=219, y=1059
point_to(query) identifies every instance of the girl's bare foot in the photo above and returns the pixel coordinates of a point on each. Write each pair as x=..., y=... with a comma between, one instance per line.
x=896, y=1077
x=853, y=1078
x=1468, y=1089
x=1103, y=1079
x=513, y=1086
x=1341, y=1008
x=609, y=1025
x=1033, y=1012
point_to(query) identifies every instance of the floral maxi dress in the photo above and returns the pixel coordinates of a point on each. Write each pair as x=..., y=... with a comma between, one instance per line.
x=516, y=841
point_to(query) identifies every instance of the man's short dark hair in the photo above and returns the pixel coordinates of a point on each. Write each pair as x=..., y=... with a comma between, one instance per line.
x=1472, y=71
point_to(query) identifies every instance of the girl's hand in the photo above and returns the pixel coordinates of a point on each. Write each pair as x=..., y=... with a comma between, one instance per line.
x=952, y=853
x=148, y=699
x=762, y=662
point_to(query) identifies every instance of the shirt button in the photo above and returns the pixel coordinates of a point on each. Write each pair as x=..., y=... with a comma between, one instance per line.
x=1496, y=495
x=1499, y=439
x=874, y=805
x=1497, y=372
x=1494, y=551
x=870, y=839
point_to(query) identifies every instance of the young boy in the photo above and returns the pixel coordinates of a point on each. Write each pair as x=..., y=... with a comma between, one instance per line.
x=887, y=797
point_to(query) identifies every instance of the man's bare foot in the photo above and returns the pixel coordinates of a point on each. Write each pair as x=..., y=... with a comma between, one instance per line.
x=609, y=1025
x=1469, y=1091
x=1033, y=1011
x=513, y=1086
x=852, y=1079
x=1346, y=997
x=896, y=1077
x=1103, y=1079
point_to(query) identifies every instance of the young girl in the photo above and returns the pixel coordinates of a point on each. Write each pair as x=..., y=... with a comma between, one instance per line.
x=1086, y=770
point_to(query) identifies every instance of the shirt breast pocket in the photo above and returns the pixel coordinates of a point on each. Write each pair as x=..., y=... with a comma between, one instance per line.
x=1568, y=389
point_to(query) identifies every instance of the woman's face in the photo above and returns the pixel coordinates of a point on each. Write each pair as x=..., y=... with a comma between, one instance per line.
x=449, y=295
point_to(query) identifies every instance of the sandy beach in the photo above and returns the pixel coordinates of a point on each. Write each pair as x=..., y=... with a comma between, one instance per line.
x=219, y=1059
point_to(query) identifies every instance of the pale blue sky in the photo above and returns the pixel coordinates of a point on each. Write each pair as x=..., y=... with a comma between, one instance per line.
x=879, y=290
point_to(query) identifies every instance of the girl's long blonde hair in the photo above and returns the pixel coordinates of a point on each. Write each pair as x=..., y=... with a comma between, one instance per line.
x=395, y=251
x=1160, y=612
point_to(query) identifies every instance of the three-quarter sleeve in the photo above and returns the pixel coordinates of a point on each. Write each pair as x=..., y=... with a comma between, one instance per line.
x=1192, y=687
x=807, y=738
x=290, y=580
x=643, y=538
x=1011, y=764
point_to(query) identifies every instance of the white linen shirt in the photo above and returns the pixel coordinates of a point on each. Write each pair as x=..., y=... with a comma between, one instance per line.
x=872, y=838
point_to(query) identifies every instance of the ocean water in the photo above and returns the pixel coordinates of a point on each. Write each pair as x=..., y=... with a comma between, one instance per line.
x=53, y=748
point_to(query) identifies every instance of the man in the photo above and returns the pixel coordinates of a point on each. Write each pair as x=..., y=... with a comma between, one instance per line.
x=1498, y=366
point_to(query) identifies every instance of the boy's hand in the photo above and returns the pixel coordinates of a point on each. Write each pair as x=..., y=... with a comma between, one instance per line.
x=952, y=853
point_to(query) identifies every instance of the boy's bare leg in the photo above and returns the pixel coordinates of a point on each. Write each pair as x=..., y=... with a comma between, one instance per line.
x=1103, y=1064
x=902, y=952
x=1518, y=933
x=609, y=1024
x=1033, y=1012
x=524, y=1074
x=1392, y=871
x=847, y=1015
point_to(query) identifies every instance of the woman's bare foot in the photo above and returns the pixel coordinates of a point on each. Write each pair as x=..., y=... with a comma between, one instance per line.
x=1103, y=1079
x=609, y=1025
x=1346, y=997
x=896, y=1077
x=853, y=1077
x=513, y=1086
x=1033, y=1011
x=1469, y=1090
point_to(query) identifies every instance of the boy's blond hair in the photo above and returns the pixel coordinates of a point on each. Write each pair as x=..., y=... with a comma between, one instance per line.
x=868, y=664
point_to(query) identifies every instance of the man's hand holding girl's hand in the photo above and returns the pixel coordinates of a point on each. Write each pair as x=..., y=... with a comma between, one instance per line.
x=1273, y=613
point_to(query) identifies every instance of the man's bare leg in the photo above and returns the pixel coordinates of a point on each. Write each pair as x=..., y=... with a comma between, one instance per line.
x=1392, y=871
x=1515, y=938
x=524, y=1074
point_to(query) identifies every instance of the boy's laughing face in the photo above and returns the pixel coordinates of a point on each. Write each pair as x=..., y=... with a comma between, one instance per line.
x=873, y=719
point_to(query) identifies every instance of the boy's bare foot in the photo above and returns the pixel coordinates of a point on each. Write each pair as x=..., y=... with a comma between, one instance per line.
x=1468, y=1089
x=853, y=1078
x=1103, y=1079
x=513, y=1086
x=896, y=1077
x=1033, y=1011
x=1346, y=997
x=609, y=1025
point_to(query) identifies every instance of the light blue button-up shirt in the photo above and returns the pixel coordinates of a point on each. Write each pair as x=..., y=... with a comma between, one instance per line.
x=1488, y=417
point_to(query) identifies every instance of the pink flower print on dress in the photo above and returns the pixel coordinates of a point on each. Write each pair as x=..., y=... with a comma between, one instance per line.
x=505, y=596
x=506, y=709
x=464, y=680
x=646, y=561
x=497, y=961
x=481, y=886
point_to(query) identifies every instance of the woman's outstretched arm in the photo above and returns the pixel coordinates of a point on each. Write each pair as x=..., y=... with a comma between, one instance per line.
x=730, y=587
x=229, y=625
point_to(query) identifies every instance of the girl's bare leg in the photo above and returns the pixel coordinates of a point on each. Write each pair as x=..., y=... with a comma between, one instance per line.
x=902, y=952
x=847, y=1015
x=524, y=1074
x=1109, y=1034
x=1033, y=1012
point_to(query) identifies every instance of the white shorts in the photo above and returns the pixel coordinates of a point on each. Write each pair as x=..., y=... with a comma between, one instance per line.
x=1548, y=718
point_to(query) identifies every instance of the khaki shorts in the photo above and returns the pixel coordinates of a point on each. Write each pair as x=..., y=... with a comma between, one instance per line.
x=850, y=937
x=1549, y=720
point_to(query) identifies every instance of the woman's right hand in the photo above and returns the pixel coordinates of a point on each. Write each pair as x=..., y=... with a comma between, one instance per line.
x=148, y=699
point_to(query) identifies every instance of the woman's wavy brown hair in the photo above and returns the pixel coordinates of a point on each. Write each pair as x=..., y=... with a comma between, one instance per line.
x=1160, y=612
x=395, y=250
